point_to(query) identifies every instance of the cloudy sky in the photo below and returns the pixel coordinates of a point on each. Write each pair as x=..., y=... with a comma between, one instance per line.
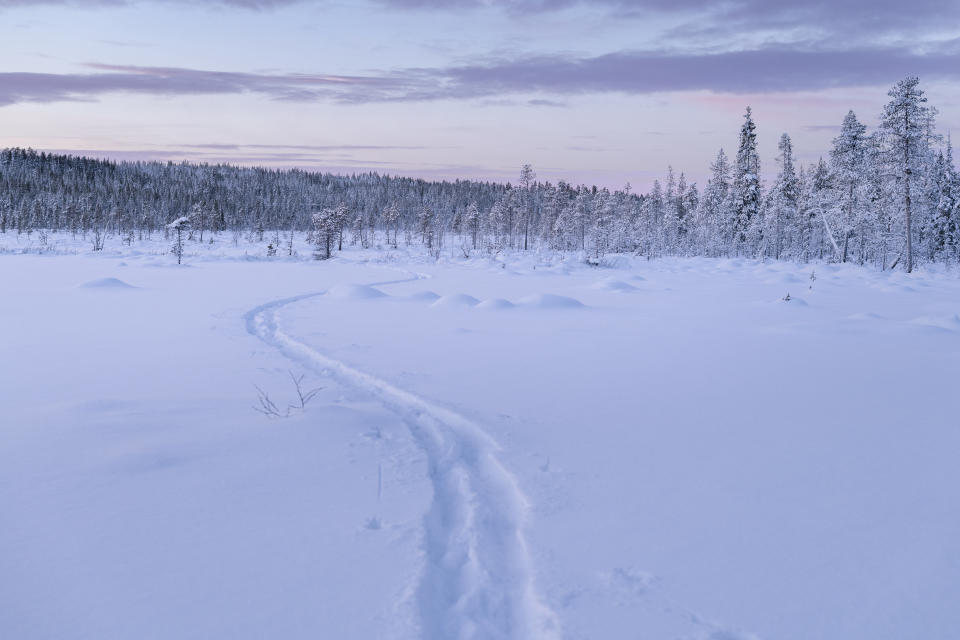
x=601, y=92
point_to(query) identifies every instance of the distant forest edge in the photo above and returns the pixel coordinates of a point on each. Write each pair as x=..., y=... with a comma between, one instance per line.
x=890, y=197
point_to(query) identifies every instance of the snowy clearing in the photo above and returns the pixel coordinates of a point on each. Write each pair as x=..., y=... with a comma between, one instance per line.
x=521, y=447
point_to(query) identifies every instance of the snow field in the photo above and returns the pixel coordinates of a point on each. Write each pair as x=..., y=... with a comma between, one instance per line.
x=686, y=456
x=477, y=580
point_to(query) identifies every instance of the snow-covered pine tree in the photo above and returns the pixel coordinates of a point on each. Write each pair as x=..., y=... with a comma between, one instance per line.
x=783, y=200
x=691, y=200
x=471, y=222
x=942, y=229
x=953, y=239
x=425, y=225
x=715, y=217
x=677, y=219
x=905, y=125
x=601, y=223
x=877, y=221
x=746, y=185
x=651, y=226
x=622, y=224
x=553, y=202
x=198, y=213
x=324, y=231
x=582, y=208
x=340, y=218
x=821, y=199
x=848, y=166
x=495, y=223
x=525, y=200
x=391, y=220
x=856, y=210
x=178, y=226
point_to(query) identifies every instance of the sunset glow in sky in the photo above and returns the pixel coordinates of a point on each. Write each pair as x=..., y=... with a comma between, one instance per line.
x=602, y=92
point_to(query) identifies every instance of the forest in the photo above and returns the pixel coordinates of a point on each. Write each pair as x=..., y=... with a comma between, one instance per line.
x=889, y=197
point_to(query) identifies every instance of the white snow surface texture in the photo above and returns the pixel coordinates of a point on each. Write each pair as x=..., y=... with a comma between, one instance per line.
x=524, y=447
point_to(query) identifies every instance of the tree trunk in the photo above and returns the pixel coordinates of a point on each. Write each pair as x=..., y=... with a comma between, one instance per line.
x=826, y=226
x=846, y=231
x=907, y=220
x=906, y=192
x=779, y=231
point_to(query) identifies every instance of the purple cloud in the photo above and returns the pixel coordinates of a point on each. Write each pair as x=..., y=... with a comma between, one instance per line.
x=49, y=87
x=310, y=147
x=771, y=69
x=869, y=14
x=95, y=4
x=543, y=102
x=822, y=20
x=766, y=70
x=853, y=17
x=219, y=153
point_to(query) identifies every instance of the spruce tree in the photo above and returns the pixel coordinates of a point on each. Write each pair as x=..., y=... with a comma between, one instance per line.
x=906, y=125
x=715, y=214
x=942, y=222
x=784, y=197
x=848, y=165
x=746, y=182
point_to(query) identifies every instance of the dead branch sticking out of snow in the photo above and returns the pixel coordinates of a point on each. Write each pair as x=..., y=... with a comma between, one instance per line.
x=270, y=409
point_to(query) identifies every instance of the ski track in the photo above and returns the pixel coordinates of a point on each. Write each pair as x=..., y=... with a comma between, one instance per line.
x=477, y=582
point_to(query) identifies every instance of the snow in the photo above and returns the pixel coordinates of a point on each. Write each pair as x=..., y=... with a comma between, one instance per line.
x=496, y=304
x=550, y=301
x=612, y=284
x=476, y=580
x=697, y=459
x=355, y=292
x=106, y=283
x=456, y=300
x=179, y=222
x=951, y=323
x=424, y=296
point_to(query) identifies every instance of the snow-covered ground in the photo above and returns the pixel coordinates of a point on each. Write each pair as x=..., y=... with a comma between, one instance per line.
x=521, y=447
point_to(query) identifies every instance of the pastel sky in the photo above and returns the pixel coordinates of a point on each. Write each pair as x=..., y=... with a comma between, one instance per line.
x=603, y=92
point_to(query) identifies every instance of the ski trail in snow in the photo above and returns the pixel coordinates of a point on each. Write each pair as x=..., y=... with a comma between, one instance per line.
x=477, y=581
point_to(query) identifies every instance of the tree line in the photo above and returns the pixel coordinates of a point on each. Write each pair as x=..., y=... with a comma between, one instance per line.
x=888, y=197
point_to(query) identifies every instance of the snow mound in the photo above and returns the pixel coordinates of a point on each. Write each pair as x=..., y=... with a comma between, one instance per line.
x=638, y=278
x=355, y=292
x=614, y=285
x=946, y=323
x=456, y=300
x=783, y=278
x=496, y=304
x=865, y=316
x=424, y=296
x=796, y=302
x=107, y=283
x=551, y=301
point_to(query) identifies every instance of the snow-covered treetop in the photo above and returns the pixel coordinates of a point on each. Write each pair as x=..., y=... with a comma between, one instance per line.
x=179, y=222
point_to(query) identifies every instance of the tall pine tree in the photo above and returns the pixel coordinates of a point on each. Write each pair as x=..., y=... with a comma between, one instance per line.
x=746, y=182
x=784, y=198
x=906, y=125
x=848, y=164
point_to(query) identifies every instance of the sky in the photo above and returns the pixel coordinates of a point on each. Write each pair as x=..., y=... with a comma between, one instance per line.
x=603, y=92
